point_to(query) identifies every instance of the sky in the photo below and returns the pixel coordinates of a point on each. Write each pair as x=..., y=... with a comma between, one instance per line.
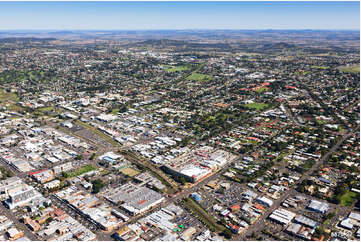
x=178, y=15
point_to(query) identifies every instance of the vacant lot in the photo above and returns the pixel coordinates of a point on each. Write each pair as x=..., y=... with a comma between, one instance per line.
x=129, y=171
x=80, y=171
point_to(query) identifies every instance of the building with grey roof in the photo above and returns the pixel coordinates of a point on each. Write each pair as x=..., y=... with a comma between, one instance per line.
x=318, y=207
x=135, y=199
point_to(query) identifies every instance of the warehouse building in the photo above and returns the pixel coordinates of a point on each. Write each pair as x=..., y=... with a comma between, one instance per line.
x=305, y=221
x=264, y=201
x=300, y=231
x=134, y=199
x=318, y=207
x=282, y=216
x=197, y=164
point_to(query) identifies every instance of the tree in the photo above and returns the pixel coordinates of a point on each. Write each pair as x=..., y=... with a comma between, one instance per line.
x=227, y=234
x=64, y=174
x=318, y=232
x=48, y=220
x=92, y=156
x=97, y=185
x=78, y=157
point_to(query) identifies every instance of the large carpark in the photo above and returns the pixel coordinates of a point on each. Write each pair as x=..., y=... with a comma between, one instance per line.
x=220, y=196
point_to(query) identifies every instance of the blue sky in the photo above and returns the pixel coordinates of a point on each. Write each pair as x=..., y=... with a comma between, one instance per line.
x=179, y=15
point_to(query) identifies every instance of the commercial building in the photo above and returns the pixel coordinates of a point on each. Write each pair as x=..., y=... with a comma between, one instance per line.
x=21, y=195
x=42, y=176
x=110, y=157
x=319, y=207
x=282, y=216
x=135, y=199
x=16, y=193
x=63, y=167
x=264, y=201
x=300, y=231
x=305, y=221
x=95, y=210
x=18, y=164
x=197, y=164
x=149, y=180
x=7, y=184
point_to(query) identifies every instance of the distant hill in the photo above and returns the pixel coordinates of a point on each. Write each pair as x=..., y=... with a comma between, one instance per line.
x=24, y=39
x=280, y=45
x=62, y=32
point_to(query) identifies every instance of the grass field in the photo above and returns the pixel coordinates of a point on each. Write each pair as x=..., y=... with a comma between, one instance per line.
x=46, y=109
x=8, y=96
x=262, y=89
x=258, y=106
x=320, y=67
x=176, y=68
x=199, y=77
x=129, y=171
x=352, y=69
x=9, y=99
x=14, y=108
x=115, y=111
x=348, y=198
x=81, y=170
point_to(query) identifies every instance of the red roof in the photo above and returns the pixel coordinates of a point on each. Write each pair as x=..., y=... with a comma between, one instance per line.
x=36, y=172
x=235, y=207
x=141, y=202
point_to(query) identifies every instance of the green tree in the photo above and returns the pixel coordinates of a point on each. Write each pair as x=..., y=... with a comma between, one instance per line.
x=227, y=234
x=97, y=185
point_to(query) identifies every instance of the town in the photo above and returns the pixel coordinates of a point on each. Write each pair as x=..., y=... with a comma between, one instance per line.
x=189, y=136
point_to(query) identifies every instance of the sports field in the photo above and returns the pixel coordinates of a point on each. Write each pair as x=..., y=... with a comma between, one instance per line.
x=199, y=77
x=352, y=69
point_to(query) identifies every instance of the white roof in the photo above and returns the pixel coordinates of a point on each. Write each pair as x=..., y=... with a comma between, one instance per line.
x=282, y=215
x=318, y=206
x=13, y=231
x=265, y=200
x=346, y=223
x=355, y=216
x=194, y=171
